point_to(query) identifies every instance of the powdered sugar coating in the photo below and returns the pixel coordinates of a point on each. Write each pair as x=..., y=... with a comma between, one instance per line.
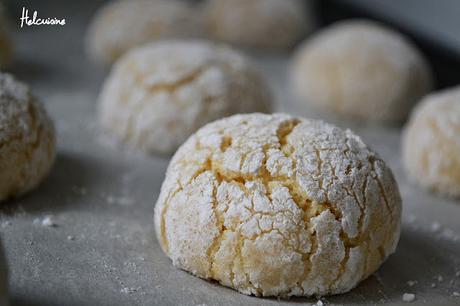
x=362, y=70
x=157, y=95
x=122, y=25
x=431, y=142
x=264, y=24
x=27, y=144
x=274, y=205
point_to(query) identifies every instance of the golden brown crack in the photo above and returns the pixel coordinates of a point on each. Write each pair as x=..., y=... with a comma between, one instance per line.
x=226, y=143
x=285, y=129
x=215, y=245
x=168, y=86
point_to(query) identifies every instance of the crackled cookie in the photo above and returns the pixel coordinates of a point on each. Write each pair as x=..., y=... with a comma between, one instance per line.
x=264, y=24
x=273, y=205
x=361, y=70
x=159, y=94
x=27, y=144
x=122, y=25
x=431, y=143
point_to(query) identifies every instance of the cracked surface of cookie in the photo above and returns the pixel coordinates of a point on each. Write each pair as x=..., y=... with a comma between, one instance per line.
x=157, y=95
x=431, y=143
x=262, y=24
x=273, y=205
x=361, y=70
x=27, y=141
x=122, y=25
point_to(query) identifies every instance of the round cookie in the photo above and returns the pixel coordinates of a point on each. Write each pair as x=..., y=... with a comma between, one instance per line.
x=27, y=141
x=361, y=70
x=273, y=205
x=431, y=143
x=263, y=24
x=122, y=25
x=159, y=94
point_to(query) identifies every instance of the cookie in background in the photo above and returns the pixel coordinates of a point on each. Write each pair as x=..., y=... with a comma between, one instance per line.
x=259, y=24
x=27, y=139
x=159, y=94
x=361, y=70
x=431, y=143
x=123, y=24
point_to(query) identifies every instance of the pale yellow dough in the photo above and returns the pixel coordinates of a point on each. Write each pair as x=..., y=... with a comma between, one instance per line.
x=158, y=95
x=273, y=205
x=262, y=24
x=124, y=24
x=361, y=70
x=27, y=140
x=431, y=143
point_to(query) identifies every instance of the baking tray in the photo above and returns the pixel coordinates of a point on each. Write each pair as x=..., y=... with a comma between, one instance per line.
x=103, y=250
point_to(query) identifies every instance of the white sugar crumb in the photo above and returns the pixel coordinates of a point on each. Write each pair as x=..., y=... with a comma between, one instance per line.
x=47, y=221
x=433, y=285
x=408, y=297
x=435, y=227
x=439, y=278
x=319, y=303
x=411, y=219
x=411, y=283
x=457, y=274
x=70, y=237
x=455, y=293
x=129, y=290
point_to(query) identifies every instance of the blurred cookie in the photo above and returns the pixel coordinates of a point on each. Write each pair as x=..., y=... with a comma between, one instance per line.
x=27, y=140
x=159, y=94
x=431, y=143
x=361, y=70
x=123, y=24
x=262, y=24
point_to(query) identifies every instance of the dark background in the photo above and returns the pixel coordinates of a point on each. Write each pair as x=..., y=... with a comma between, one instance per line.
x=433, y=25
